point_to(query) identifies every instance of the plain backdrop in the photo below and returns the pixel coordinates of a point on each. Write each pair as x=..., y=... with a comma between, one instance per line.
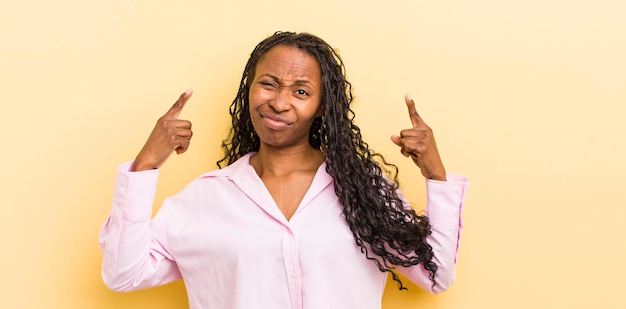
x=525, y=97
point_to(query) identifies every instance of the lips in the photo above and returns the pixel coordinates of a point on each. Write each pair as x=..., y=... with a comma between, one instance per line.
x=274, y=121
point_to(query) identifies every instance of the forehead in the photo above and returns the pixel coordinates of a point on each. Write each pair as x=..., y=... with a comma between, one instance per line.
x=288, y=60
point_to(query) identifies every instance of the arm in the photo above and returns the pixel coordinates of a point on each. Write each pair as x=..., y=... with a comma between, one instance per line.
x=444, y=207
x=134, y=254
x=445, y=195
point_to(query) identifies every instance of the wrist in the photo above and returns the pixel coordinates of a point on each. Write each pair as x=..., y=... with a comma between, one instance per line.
x=438, y=175
x=439, y=178
x=139, y=166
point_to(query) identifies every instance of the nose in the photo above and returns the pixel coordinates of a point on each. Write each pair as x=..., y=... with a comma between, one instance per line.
x=280, y=102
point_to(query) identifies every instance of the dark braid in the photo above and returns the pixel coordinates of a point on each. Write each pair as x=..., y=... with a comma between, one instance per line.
x=387, y=231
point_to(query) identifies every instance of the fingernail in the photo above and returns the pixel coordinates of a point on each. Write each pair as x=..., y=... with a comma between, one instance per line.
x=408, y=97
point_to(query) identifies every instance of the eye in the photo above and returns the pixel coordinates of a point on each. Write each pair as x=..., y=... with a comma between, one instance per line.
x=267, y=85
x=302, y=92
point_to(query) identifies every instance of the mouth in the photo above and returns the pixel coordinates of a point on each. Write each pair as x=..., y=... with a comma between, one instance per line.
x=274, y=121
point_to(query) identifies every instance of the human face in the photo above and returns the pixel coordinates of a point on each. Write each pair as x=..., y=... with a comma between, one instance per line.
x=285, y=97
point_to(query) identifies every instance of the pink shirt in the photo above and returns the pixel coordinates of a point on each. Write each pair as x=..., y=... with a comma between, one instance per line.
x=226, y=238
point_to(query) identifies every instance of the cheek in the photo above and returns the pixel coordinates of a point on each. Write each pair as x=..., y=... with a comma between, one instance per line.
x=316, y=108
x=320, y=109
x=258, y=95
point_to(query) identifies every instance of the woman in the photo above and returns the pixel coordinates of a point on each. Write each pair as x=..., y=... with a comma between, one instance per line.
x=301, y=216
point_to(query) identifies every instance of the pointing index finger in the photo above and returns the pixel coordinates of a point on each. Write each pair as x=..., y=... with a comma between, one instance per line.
x=175, y=110
x=416, y=120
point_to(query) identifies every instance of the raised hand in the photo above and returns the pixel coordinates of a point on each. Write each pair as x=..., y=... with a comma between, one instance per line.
x=419, y=143
x=169, y=134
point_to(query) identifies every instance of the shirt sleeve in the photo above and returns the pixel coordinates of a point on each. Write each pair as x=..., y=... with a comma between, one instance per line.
x=444, y=206
x=134, y=255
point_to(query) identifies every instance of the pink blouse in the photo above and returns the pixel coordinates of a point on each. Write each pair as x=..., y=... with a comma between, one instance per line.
x=226, y=238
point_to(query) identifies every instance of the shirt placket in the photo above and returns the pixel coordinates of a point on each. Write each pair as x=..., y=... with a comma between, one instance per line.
x=292, y=268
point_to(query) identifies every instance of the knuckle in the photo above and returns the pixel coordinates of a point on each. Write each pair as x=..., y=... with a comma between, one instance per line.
x=164, y=123
x=405, y=133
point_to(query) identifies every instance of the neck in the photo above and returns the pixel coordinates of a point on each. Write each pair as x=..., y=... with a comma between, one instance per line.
x=278, y=162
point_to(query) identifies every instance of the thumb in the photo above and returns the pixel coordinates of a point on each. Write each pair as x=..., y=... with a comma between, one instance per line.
x=396, y=140
x=177, y=108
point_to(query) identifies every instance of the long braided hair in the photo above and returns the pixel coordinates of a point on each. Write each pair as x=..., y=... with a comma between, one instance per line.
x=388, y=233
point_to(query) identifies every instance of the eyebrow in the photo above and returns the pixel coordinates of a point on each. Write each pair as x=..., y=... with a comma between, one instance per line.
x=296, y=82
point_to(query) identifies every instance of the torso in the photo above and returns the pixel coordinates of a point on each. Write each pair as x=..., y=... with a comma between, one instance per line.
x=288, y=190
x=288, y=185
x=224, y=227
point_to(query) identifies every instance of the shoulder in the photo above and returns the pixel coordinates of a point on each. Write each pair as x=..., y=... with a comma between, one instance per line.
x=212, y=186
x=231, y=170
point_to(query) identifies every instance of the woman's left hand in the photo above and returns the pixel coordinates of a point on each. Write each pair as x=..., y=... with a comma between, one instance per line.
x=419, y=143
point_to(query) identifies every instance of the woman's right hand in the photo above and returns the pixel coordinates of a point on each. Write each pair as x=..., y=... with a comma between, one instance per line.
x=169, y=134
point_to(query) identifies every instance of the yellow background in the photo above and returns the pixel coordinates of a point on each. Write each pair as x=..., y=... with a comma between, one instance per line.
x=527, y=98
